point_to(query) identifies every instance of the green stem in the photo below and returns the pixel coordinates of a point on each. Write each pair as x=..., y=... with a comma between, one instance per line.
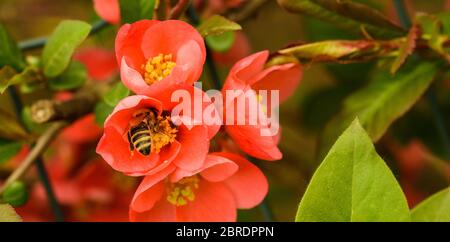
x=52, y=200
x=400, y=7
x=43, y=177
x=41, y=41
x=431, y=93
x=210, y=63
x=266, y=211
x=439, y=120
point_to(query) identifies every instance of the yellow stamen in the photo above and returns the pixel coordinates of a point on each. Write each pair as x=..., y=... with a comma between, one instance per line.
x=163, y=133
x=158, y=68
x=182, y=192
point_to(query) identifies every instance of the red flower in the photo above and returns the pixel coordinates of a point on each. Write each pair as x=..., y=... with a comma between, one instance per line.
x=213, y=193
x=100, y=63
x=250, y=76
x=108, y=10
x=138, y=148
x=155, y=56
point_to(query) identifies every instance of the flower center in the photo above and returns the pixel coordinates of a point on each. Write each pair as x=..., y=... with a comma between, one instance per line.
x=163, y=134
x=182, y=192
x=149, y=133
x=158, y=68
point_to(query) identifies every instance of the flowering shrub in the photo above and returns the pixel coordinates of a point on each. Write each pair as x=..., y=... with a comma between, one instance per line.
x=167, y=113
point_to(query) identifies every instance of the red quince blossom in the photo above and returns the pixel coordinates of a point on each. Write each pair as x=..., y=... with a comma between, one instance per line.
x=135, y=154
x=100, y=63
x=250, y=74
x=156, y=56
x=212, y=193
x=108, y=10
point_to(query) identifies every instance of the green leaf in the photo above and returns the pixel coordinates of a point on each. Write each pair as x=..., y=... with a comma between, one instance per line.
x=353, y=17
x=117, y=93
x=30, y=75
x=434, y=209
x=337, y=50
x=445, y=19
x=10, y=54
x=73, y=77
x=58, y=51
x=10, y=128
x=6, y=73
x=8, y=149
x=382, y=102
x=432, y=29
x=352, y=184
x=132, y=11
x=221, y=43
x=217, y=25
x=16, y=194
x=8, y=214
x=102, y=111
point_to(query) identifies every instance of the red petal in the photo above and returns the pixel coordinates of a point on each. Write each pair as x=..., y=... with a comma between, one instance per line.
x=167, y=37
x=248, y=185
x=162, y=211
x=250, y=140
x=129, y=40
x=244, y=70
x=215, y=169
x=213, y=203
x=194, y=147
x=183, y=42
x=218, y=168
x=284, y=78
x=150, y=191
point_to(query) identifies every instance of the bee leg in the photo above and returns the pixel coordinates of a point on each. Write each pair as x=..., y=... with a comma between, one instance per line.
x=129, y=141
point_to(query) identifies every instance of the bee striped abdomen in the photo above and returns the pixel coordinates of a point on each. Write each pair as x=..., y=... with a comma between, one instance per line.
x=140, y=138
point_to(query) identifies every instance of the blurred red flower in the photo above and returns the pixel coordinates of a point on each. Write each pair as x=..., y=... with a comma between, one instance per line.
x=108, y=10
x=100, y=63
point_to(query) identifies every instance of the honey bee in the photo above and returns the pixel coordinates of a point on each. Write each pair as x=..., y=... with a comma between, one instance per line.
x=140, y=131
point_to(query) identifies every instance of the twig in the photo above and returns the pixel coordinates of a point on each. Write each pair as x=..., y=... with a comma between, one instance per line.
x=179, y=9
x=209, y=57
x=45, y=111
x=247, y=11
x=56, y=208
x=43, y=177
x=431, y=93
x=41, y=145
x=41, y=41
x=267, y=212
x=400, y=7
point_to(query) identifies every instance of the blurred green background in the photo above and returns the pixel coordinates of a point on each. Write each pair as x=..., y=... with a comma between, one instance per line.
x=303, y=117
